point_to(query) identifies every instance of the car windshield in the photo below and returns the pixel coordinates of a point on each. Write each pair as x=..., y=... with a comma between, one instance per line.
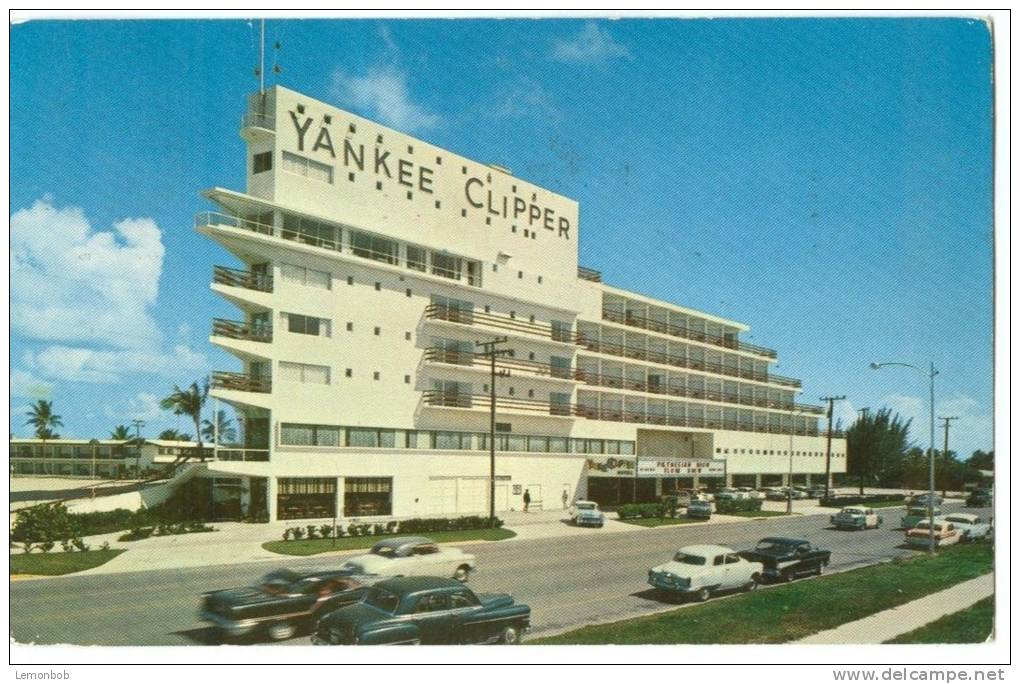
x=771, y=545
x=586, y=507
x=960, y=519
x=384, y=549
x=382, y=599
x=279, y=582
x=854, y=511
x=688, y=559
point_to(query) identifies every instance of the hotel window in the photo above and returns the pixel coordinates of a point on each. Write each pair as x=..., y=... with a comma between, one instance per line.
x=416, y=258
x=446, y=266
x=309, y=435
x=368, y=496
x=454, y=310
x=303, y=166
x=305, y=276
x=371, y=247
x=307, y=325
x=263, y=161
x=311, y=232
x=304, y=373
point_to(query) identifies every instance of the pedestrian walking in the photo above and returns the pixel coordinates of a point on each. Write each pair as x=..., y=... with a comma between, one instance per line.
x=527, y=500
x=565, y=497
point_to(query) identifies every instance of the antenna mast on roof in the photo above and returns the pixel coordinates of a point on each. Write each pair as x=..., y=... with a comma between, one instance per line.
x=262, y=56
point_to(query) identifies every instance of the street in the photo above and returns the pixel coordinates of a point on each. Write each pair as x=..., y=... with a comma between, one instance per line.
x=568, y=581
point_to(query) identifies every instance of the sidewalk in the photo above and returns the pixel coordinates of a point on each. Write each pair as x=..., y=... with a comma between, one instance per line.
x=889, y=624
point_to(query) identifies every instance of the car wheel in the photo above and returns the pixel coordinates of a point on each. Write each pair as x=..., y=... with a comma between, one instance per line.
x=462, y=573
x=510, y=635
x=281, y=630
x=753, y=584
x=703, y=594
x=818, y=568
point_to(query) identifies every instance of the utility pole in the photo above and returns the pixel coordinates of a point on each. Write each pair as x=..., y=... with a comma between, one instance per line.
x=945, y=449
x=492, y=352
x=828, y=442
x=139, y=424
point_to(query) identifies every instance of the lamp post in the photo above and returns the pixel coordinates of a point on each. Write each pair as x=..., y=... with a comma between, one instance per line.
x=94, y=443
x=930, y=374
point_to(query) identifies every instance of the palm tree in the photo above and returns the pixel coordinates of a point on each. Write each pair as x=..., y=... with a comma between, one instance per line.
x=121, y=432
x=188, y=402
x=170, y=435
x=876, y=444
x=42, y=418
x=223, y=429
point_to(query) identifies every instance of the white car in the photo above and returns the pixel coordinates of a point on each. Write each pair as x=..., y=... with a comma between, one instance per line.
x=971, y=527
x=856, y=518
x=945, y=534
x=402, y=556
x=752, y=493
x=700, y=570
x=586, y=513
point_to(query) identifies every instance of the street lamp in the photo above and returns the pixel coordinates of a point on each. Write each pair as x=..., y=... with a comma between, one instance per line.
x=930, y=374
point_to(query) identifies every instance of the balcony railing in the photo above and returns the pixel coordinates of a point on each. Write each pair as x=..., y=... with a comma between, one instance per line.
x=215, y=218
x=512, y=404
x=239, y=330
x=620, y=415
x=263, y=282
x=242, y=454
x=472, y=317
x=240, y=382
x=466, y=358
x=637, y=385
x=258, y=120
x=663, y=358
x=636, y=321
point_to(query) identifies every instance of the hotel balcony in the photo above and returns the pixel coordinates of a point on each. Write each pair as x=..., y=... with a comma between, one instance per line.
x=481, y=362
x=232, y=277
x=516, y=326
x=635, y=321
x=589, y=274
x=239, y=454
x=239, y=330
x=614, y=349
x=623, y=416
x=240, y=382
x=257, y=126
x=621, y=382
x=480, y=402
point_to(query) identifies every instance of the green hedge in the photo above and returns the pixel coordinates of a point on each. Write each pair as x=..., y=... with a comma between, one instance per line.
x=410, y=526
x=645, y=510
x=737, y=505
x=854, y=500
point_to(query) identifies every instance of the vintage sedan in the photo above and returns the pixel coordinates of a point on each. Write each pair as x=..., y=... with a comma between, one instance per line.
x=425, y=610
x=783, y=558
x=979, y=498
x=915, y=515
x=945, y=534
x=282, y=604
x=400, y=556
x=699, y=571
x=587, y=513
x=971, y=527
x=702, y=510
x=856, y=518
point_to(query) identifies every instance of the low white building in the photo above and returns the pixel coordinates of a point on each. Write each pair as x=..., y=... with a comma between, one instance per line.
x=95, y=458
x=369, y=264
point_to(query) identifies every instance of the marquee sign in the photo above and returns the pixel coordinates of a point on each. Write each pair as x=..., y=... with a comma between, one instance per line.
x=610, y=466
x=681, y=467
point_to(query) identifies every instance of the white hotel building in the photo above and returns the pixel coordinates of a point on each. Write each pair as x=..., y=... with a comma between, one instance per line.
x=370, y=263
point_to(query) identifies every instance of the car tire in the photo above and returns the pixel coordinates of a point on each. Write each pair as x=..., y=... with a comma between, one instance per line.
x=703, y=594
x=462, y=573
x=281, y=630
x=786, y=576
x=510, y=636
x=818, y=569
x=753, y=584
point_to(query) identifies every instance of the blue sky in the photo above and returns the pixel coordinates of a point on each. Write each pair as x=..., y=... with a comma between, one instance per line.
x=827, y=182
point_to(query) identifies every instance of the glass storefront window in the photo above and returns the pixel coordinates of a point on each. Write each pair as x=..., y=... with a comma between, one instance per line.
x=368, y=496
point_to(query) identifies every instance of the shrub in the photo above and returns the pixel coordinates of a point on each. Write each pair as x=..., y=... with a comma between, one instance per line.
x=286, y=534
x=105, y=546
x=379, y=529
x=628, y=511
x=80, y=544
x=66, y=545
x=46, y=546
x=27, y=547
x=391, y=527
x=651, y=510
x=364, y=530
x=44, y=523
x=352, y=530
x=312, y=531
x=838, y=501
x=737, y=505
x=299, y=533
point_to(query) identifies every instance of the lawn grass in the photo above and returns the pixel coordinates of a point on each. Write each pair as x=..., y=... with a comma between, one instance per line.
x=873, y=504
x=60, y=563
x=661, y=522
x=758, y=514
x=310, y=547
x=796, y=610
x=970, y=626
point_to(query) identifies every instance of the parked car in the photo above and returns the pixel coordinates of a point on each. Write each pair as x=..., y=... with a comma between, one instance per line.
x=425, y=610
x=945, y=534
x=685, y=496
x=698, y=571
x=856, y=518
x=587, y=513
x=916, y=514
x=282, y=604
x=699, y=509
x=971, y=527
x=401, y=556
x=814, y=492
x=752, y=493
x=980, y=498
x=919, y=500
x=729, y=494
x=783, y=558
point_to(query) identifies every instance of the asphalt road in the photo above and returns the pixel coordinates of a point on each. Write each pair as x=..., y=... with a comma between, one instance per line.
x=568, y=581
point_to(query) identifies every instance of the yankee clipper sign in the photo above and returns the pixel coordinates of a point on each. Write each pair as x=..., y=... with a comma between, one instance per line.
x=323, y=140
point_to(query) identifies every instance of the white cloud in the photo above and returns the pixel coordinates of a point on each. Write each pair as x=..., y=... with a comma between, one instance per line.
x=79, y=364
x=382, y=93
x=143, y=406
x=592, y=44
x=527, y=98
x=26, y=385
x=972, y=430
